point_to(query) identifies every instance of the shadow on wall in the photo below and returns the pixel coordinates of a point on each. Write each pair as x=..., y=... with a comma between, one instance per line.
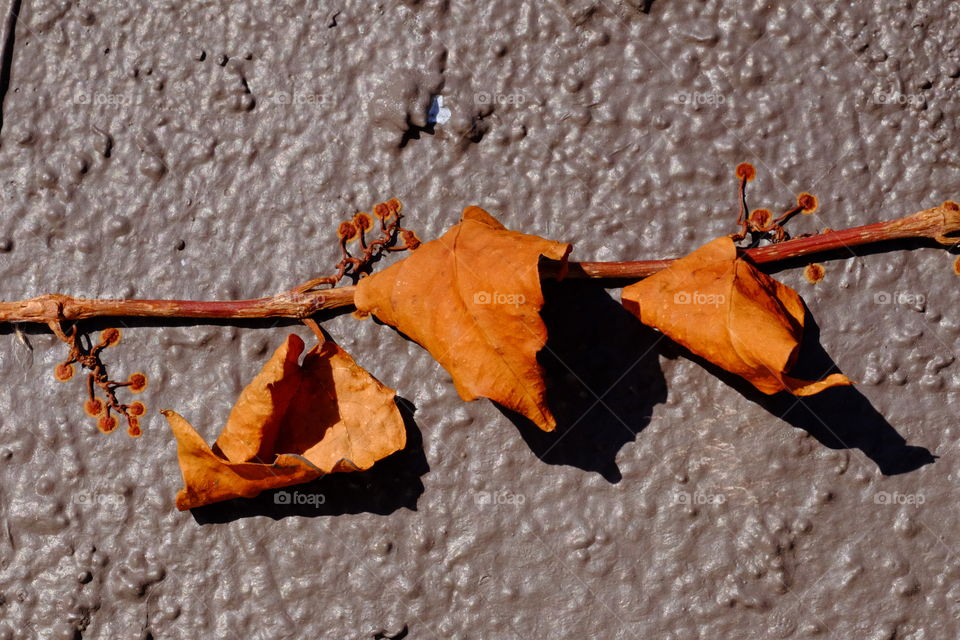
x=603, y=379
x=839, y=417
x=391, y=484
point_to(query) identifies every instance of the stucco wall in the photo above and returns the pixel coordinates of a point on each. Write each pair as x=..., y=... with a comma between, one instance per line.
x=208, y=149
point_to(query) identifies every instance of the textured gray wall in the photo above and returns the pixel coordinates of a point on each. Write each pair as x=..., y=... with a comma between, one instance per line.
x=207, y=149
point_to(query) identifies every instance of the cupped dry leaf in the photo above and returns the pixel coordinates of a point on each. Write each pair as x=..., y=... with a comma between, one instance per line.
x=472, y=298
x=721, y=307
x=293, y=423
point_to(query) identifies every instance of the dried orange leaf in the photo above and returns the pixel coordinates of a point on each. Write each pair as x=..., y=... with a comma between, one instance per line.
x=293, y=423
x=210, y=478
x=255, y=418
x=472, y=298
x=362, y=422
x=722, y=308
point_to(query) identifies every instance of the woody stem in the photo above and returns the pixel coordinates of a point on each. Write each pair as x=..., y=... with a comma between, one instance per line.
x=939, y=223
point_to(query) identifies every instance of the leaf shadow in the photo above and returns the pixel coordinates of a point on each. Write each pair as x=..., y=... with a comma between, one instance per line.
x=603, y=379
x=391, y=484
x=839, y=417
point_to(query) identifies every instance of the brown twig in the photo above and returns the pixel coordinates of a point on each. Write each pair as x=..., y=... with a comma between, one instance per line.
x=940, y=224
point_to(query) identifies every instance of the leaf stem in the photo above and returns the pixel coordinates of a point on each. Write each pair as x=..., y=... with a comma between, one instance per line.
x=939, y=223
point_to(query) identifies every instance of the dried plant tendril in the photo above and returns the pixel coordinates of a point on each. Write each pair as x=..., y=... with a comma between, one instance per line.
x=760, y=224
x=87, y=355
x=356, y=229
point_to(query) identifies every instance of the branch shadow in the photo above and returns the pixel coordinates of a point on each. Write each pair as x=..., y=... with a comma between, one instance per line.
x=838, y=417
x=859, y=251
x=595, y=349
x=96, y=324
x=391, y=484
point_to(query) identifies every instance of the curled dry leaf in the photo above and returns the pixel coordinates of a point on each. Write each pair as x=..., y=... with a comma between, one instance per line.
x=293, y=423
x=472, y=298
x=721, y=307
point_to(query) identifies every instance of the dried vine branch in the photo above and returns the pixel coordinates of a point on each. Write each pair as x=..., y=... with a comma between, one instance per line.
x=301, y=302
x=941, y=224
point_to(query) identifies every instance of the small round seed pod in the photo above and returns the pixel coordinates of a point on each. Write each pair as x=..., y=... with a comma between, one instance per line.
x=745, y=171
x=133, y=427
x=807, y=203
x=382, y=211
x=814, y=272
x=347, y=231
x=362, y=221
x=107, y=424
x=93, y=407
x=138, y=382
x=110, y=337
x=63, y=371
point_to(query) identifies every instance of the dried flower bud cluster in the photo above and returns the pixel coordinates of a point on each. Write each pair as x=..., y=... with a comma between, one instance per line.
x=389, y=216
x=85, y=354
x=355, y=230
x=760, y=223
